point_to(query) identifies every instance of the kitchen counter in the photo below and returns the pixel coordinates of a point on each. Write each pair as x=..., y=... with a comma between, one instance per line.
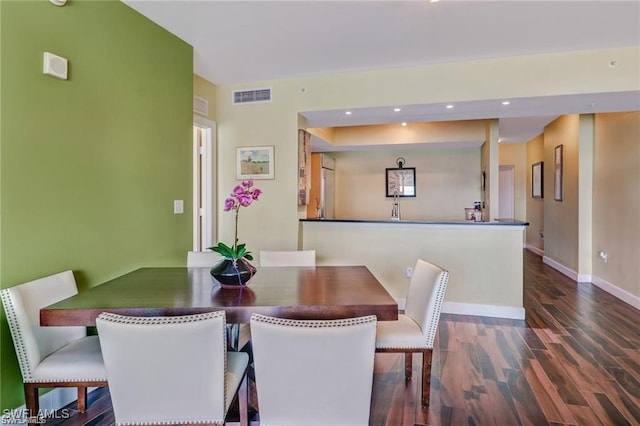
x=484, y=259
x=498, y=222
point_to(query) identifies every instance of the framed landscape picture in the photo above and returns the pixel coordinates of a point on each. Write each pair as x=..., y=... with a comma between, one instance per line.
x=254, y=162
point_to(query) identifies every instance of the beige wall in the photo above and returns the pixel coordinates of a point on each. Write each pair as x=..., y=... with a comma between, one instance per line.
x=561, y=217
x=206, y=90
x=489, y=158
x=273, y=221
x=468, y=132
x=601, y=201
x=447, y=181
x=516, y=155
x=324, y=133
x=514, y=77
x=535, y=207
x=616, y=200
x=585, y=196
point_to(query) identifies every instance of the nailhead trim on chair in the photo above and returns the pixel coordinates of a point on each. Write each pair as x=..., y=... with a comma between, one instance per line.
x=196, y=422
x=314, y=323
x=120, y=319
x=430, y=334
x=21, y=351
x=102, y=379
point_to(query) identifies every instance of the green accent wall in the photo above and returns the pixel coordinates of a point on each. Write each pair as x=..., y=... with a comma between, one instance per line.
x=90, y=166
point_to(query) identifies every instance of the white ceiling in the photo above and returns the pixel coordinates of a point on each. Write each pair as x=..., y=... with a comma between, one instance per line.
x=246, y=41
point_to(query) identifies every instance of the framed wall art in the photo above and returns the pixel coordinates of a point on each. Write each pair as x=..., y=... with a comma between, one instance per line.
x=537, y=170
x=401, y=181
x=304, y=166
x=254, y=162
x=558, y=186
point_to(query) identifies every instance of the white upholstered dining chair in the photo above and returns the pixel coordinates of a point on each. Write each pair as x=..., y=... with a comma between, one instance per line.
x=415, y=330
x=51, y=357
x=171, y=370
x=288, y=258
x=312, y=372
x=238, y=335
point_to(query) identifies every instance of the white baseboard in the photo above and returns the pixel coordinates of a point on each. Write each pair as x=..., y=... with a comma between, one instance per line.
x=610, y=288
x=49, y=402
x=534, y=249
x=510, y=312
x=584, y=278
x=616, y=291
x=560, y=268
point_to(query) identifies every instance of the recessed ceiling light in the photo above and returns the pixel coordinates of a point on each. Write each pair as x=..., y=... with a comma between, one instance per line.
x=397, y=109
x=449, y=106
x=404, y=124
x=348, y=112
x=505, y=102
x=434, y=1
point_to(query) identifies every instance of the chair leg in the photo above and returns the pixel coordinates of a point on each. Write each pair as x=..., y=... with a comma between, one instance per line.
x=426, y=376
x=408, y=365
x=32, y=402
x=243, y=401
x=82, y=399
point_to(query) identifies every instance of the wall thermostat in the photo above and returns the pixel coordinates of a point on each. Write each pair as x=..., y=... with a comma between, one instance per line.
x=54, y=65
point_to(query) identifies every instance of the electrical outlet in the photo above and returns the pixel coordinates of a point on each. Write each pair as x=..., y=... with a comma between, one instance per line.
x=409, y=272
x=604, y=256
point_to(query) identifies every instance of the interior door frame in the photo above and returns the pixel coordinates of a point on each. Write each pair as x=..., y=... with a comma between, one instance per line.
x=204, y=185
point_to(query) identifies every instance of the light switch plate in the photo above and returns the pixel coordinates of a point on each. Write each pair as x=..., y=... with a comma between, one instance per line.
x=178, y=206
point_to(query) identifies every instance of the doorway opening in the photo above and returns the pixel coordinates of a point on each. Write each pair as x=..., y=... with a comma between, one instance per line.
x=204, y=187
x=506, y=192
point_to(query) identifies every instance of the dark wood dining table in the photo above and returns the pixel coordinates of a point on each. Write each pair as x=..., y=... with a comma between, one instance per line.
x=321, y=292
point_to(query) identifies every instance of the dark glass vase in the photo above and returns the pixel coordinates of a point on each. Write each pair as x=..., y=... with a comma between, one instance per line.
x=233, y=274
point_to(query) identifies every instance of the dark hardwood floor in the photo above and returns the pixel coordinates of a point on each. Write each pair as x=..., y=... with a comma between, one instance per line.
x=575, y=360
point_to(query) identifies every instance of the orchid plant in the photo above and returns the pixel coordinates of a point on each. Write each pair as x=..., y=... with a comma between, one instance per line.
x=242, y=196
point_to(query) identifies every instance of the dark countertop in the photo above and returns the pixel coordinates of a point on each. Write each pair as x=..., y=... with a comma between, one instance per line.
x=498, y=222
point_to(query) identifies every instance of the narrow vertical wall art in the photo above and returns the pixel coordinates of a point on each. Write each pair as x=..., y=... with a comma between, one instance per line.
x=537, y=173
x=558, y=186
x=304, y=166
